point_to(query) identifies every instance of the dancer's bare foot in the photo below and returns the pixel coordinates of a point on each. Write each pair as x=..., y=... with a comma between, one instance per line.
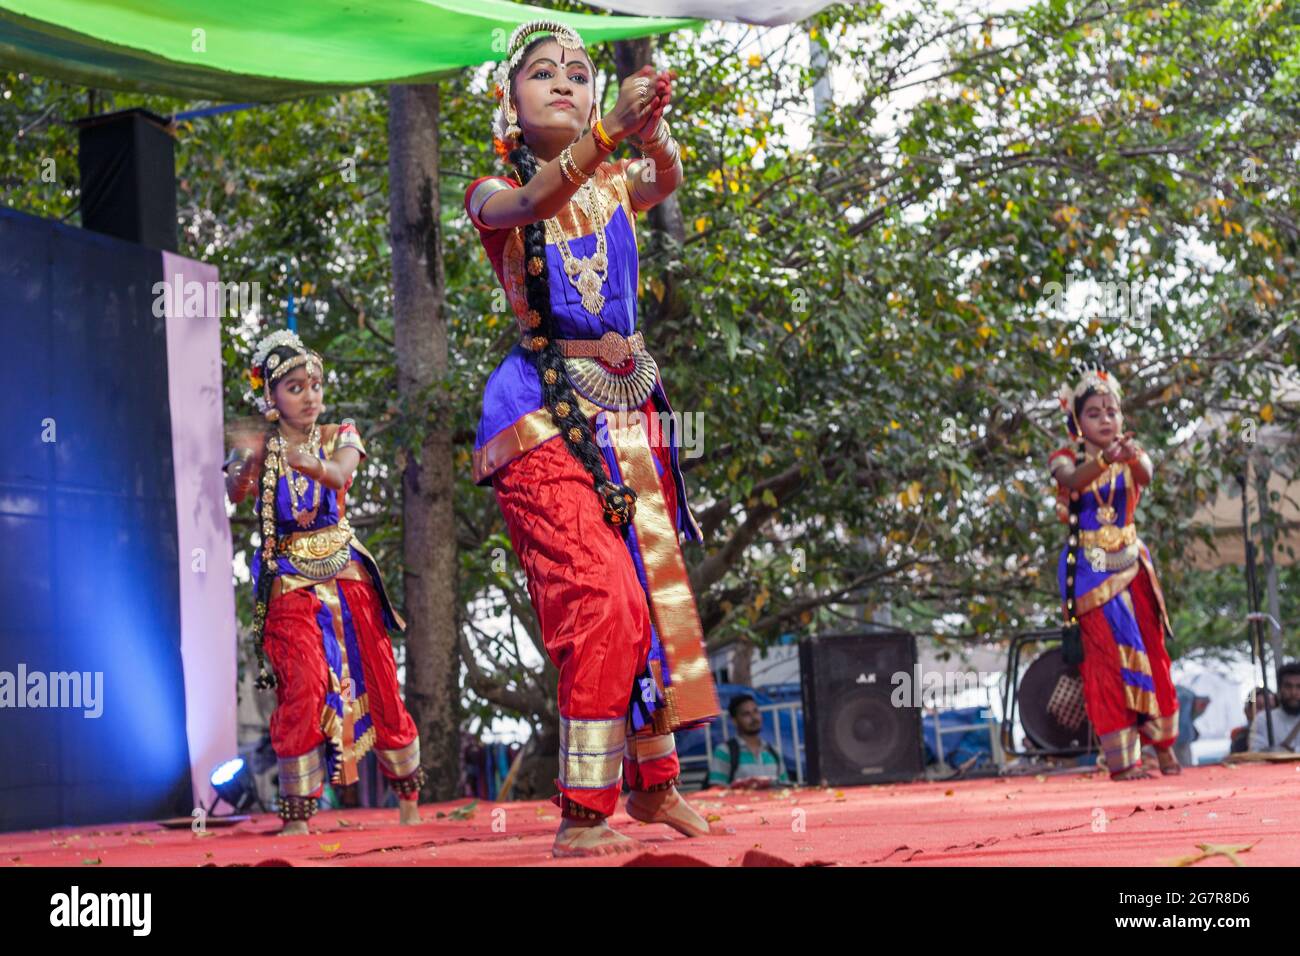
x=408, y=812
x=590, y=838
x=667, y=806
x=293, y=828
x=1169, y=764
x=1137, y=772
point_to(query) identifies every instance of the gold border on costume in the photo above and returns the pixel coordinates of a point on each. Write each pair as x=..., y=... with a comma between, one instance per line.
x=482, y=192
x=643, y=749
x=401, y=762
x=350, y=750
x=1160, y=728
x=591, y=752
x=1123, y=748
x=525, y=434
x=692, y=696
x=301, y=776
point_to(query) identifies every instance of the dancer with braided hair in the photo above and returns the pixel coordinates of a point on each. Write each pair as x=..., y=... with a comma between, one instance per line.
x=571, y=440
x=1111, y=598
x=321, y=609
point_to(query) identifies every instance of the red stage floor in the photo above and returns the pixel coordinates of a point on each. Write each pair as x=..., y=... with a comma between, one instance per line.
x=1071, y=820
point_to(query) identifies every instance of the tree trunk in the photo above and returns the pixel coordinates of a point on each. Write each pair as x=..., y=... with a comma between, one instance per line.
x=742, y=660
x=420, y=335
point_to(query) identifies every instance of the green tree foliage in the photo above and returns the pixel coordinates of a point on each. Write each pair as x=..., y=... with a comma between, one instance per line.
x=861, y=307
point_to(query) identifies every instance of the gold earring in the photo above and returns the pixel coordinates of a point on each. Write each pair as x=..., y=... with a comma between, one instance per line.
x=272, y=414
x=512, y=116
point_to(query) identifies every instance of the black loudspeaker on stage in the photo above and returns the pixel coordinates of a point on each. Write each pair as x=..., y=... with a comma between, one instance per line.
x=854, y=734
x=128, y=177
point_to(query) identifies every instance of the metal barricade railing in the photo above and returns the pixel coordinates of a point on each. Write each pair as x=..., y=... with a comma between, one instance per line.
x=992, y=726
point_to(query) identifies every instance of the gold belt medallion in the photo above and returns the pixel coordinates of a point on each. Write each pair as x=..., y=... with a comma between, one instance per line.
x=1109, y=537
x=319, y=554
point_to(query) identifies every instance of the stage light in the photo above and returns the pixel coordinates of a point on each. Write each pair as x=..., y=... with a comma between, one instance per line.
x=234, y=784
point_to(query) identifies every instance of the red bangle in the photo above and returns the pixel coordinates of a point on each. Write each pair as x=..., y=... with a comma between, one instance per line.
x=602, y=138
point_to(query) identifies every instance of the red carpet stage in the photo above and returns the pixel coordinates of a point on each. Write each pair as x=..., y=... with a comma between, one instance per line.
x=1061, y=820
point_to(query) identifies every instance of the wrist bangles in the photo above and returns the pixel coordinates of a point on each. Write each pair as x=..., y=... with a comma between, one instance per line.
x=662, y=148
x=673, y=155
x=570, y=170
x=603, y=140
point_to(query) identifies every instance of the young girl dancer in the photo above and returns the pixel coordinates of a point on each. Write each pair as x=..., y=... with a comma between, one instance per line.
x=1108, y=584
x=321, y=609
x=571, y=438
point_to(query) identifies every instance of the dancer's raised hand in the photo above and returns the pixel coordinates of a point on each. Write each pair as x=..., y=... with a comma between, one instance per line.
x=636, y=100
x=663, y=94
x=303, y=463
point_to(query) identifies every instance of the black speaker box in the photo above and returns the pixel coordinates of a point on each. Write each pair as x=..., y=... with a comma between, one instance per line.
x=128, y=177
x=854, y=734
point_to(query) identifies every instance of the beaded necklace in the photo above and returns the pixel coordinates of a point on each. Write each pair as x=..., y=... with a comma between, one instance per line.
x=299, y=484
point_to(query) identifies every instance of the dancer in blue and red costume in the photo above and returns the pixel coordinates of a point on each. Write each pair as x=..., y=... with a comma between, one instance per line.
x=577, y=437
x=321, y=612
x=1109, y=589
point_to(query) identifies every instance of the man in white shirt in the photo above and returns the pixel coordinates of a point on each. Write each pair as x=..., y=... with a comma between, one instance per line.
x=1286, y=717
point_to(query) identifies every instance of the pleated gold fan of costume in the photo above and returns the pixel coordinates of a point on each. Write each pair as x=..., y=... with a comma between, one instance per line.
x=609, y=389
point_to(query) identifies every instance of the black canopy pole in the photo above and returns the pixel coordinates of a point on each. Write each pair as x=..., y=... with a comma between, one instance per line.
x=1254, y=618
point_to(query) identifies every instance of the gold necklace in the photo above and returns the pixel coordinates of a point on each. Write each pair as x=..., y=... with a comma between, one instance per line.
x=586, y=274
x=299, y=483
x=1108, y=536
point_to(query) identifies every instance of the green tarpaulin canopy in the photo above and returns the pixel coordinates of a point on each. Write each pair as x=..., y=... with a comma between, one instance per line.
x=237, y=50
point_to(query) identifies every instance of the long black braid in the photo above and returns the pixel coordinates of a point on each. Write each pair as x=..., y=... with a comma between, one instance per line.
x=267, y=481
x=1072, y=642
x=617, y=500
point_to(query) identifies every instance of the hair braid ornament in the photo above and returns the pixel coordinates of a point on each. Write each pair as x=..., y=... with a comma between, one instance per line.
x=274, y=357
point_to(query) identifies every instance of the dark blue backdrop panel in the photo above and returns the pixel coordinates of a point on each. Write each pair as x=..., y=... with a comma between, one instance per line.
x=88, y=565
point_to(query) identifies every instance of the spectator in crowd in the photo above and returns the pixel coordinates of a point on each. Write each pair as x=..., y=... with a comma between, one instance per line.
x=1240, y=736
x=1286, y=717
x=746, y=760
x=1190, y=706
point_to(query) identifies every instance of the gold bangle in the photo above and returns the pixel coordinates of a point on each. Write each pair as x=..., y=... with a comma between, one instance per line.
x=672, y=153
x=570, y=170
x=602, y=138
x=661, y=135
x=579, y=173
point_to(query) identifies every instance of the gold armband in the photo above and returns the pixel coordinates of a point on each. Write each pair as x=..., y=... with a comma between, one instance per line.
x=480, y=195
x=349, y=439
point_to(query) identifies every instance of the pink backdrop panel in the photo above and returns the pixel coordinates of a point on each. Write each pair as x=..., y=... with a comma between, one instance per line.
x=208, y=628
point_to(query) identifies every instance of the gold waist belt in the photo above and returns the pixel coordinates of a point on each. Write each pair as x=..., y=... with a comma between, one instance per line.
x=1102, y=560
x=319, y=554
x=588, y=363
x=611, y=348
x=1109, y=537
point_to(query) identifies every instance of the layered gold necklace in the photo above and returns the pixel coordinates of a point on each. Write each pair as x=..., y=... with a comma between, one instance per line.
x=298, y=483
x=1108, y=536
x=587, y=274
